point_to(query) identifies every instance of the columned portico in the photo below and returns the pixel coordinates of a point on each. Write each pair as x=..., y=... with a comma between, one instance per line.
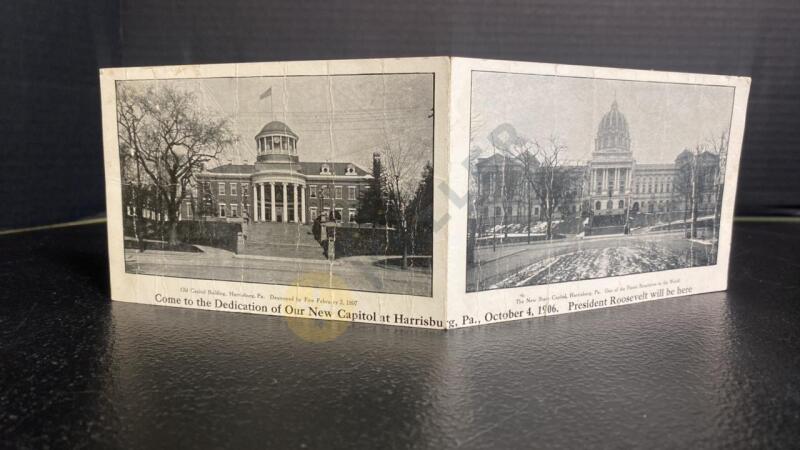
x=285, y=202
x=303, y=203
x=255, y=203
x=295, y=214
x=263, y=204
x=272, y=201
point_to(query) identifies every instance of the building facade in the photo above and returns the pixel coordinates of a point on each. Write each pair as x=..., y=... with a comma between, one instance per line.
x=278, y=187
x=611, y=183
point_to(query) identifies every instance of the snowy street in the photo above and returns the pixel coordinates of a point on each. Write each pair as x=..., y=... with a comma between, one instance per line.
x=577, y=259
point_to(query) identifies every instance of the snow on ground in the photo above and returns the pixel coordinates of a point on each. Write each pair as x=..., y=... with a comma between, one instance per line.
x=500, y=235
x=604, y=262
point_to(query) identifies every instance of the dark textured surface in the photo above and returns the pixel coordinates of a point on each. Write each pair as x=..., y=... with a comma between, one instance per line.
x=716, y=370
x=50, y=51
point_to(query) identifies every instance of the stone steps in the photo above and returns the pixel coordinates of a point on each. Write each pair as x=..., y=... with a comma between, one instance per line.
x=284, y=240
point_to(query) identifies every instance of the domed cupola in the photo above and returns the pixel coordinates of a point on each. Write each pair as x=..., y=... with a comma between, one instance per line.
x=613, y=134
x=276, y=142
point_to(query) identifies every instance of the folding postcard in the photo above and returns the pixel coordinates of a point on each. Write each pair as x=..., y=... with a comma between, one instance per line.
x=429, y=192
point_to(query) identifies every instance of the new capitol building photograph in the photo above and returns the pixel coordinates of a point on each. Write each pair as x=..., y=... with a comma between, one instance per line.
x=577, y=178
x=274, y=179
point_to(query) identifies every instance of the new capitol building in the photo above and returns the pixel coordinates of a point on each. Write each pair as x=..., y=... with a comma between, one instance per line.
x=611, y=182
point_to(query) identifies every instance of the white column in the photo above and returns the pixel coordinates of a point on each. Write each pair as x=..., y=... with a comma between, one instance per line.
x=296, y=212
x=303, y=203
x=263, y=203
x=616, y=179
x=255, y=203
x=272, y=200
x=285, y=202
x=630, y=179
x=605, y=181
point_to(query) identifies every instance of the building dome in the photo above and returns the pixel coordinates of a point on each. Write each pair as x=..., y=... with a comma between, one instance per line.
x=276, y=142
x=276, y=127
x=612, y=133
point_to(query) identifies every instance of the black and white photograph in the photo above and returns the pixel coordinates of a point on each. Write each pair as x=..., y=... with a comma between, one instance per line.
x=313, y=180
x=575, y=178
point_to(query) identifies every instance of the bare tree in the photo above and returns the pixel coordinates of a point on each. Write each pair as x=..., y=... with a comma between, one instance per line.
x=696, y=178
x=522, y=151
x=554, y=183
x=403, y=169
x=719, y=148
x=170, y=140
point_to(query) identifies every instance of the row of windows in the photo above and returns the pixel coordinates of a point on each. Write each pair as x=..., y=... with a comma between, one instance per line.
x=351, y=213
x=276, y=144
x=232, y=188
x=323, y=191
x=609, y=205
x=651, y=188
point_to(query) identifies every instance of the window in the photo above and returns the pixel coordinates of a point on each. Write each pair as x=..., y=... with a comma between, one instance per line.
x=313, y=213
x=536, y=210
x=189, y=210
x=326, y=213
x=609, y=205
x=621, y=204
x=245, y=189
x=498, y=211
x=194, y=191
x=221, y=188
x=597, y=205
x=338, y=192
x=351, y=217
x=234, y=210
x=222, y=210
x=351, y=192
x=312, y=191
x=232, y=190
x=350, y=170
x=325, y=169
x=338, y=214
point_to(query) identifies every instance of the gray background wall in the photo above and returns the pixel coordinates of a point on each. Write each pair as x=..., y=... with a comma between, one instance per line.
x=52, y=154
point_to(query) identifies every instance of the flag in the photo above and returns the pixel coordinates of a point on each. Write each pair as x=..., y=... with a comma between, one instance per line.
x=267, y=93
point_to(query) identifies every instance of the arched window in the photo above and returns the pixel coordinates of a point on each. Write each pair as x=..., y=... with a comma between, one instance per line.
x=597, y=205
x=621, y=204
x=609, y=205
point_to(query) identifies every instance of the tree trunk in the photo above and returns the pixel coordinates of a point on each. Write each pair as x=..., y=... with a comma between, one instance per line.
x=173, y=233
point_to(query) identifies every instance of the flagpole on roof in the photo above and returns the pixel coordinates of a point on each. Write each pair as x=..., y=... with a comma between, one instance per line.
x=265, y=94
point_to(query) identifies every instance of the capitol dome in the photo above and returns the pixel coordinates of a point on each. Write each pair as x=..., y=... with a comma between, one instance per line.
x=612, y=133
x=276, y=127
x=276, y=142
